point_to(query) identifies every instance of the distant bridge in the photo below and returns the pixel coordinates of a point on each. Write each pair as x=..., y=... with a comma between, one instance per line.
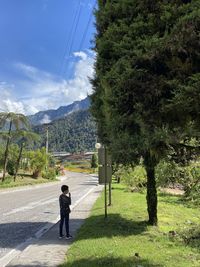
x=60, y=154
x=73, y=156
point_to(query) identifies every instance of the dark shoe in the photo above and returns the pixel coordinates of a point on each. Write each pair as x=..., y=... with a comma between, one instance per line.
x=68, y=237
x=61, y=236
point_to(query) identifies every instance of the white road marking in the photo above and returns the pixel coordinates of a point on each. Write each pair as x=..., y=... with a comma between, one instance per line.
x=31, y=205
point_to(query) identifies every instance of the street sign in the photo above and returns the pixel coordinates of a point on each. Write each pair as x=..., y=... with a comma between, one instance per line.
x=102, y=156
x=105, y=166
x=105, y=173
x=102, y=174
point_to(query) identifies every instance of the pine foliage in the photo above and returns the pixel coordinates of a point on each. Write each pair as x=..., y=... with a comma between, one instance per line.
x=146, y=89
x=147, y=78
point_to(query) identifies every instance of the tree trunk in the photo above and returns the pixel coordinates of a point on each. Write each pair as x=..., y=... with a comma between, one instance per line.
x=18, y=161
x=36, y=174
x=6, y=152
x=151, y=190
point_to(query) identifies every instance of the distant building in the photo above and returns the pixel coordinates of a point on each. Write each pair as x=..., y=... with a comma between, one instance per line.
x=65, y=156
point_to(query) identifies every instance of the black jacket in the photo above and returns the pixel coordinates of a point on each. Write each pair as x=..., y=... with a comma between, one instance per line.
x=64, y=202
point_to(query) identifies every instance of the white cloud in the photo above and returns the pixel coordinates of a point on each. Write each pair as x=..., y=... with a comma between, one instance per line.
x=81, y=55
x=45, y=119
x=7, y=101
x=42, y=90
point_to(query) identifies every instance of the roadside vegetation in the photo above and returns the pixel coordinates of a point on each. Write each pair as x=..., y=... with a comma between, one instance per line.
x=20, y=162
x=25, y=179
x=35, y=167
x=84, y=166
x=126, y=239
x=169, y=175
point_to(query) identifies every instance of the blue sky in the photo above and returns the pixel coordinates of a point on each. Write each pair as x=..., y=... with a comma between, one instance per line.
x=45, y=53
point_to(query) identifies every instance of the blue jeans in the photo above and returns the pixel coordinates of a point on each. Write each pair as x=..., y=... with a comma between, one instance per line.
x=64, y=217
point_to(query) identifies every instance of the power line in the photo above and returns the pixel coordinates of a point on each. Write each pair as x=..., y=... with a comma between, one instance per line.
x=79, y=14
x=68, y=38
x=87, y=27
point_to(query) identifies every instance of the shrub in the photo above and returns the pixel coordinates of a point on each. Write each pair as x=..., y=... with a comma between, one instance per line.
x=7, y=180
x=50, y=174
x=190, y=235
x=134, y=177
x=11, y=167
x=168, y=173
x=192, y=183
x=38, y=161
x=94, y=160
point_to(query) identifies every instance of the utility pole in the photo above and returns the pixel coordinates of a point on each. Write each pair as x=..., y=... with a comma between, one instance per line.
x=47, y=146
x=47, y=139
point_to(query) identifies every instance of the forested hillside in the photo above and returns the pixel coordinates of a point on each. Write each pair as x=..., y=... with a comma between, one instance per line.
x=76, y=132
x=48, y=116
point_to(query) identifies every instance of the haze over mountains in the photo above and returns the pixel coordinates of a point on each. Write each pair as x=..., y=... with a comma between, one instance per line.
x=47, y=116
x=70, y=128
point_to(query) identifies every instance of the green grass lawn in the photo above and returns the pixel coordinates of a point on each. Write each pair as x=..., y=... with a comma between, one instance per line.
x=125, y=239
x=26, y=180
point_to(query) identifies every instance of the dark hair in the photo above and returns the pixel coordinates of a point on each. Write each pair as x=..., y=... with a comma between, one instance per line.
x=64, y=188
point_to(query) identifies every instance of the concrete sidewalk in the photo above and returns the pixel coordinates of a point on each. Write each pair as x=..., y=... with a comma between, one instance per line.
x=48, y=250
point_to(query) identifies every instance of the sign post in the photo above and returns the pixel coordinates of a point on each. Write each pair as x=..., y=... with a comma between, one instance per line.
x=105, y=185
x=105, y=172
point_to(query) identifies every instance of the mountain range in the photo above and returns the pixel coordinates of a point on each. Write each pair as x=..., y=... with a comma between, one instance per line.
x=73, y=133
x=70, y=128
x=43, y=117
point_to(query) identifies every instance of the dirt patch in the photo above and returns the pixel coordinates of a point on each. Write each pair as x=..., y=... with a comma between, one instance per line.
x=173, y=191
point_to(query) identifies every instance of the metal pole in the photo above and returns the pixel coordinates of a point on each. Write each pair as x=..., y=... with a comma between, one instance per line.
x=47, y=140
x=47, y=146
x=110, y=188
x=105, y=186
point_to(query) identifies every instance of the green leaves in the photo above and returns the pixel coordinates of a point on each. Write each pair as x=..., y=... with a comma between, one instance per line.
x=146, y=89
x=18, y=120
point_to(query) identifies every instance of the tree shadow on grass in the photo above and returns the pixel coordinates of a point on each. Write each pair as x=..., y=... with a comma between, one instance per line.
x=175, y=200
x=120, y=189
x=114, y=225
x=111, y=262
x=13, y=234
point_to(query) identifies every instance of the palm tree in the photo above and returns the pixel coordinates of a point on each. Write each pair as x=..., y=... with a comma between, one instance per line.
x=13, y=119
x=25, y=137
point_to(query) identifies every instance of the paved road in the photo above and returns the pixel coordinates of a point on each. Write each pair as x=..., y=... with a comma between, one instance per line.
x=25, y=211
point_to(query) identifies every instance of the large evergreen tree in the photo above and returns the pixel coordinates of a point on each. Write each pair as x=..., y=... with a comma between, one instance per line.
x=147, y=52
